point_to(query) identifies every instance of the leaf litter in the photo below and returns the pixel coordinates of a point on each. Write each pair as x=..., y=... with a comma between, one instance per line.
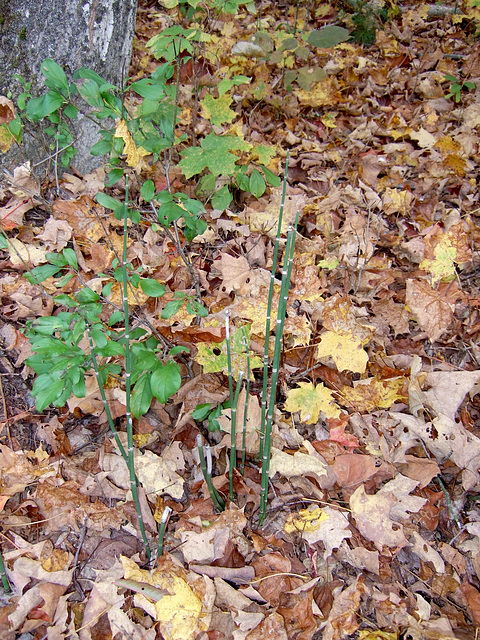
x=373, y=527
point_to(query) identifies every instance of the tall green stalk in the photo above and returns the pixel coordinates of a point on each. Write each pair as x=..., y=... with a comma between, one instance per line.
x=282, y=309
x=247, y=395
x=269, y=312
x=233, y=405
x=128, y=373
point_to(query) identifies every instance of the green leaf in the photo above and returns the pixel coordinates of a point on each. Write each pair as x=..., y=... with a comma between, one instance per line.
x=328, y=36
x=55, y=76
x=90, y=92
x=63, y=281
x=142, y=396
x=70, y=257
x=86, y=295
x=179, y=349
x=47, y=389
x=111, y=349
x=99, y=337
x=39, y=108
x=214, y=154
x=66, y=300
x=222, y=199
x=227, y=83
x=171, y=308
x=200, y=309
x=166, y=381
x=272, y=179
x=148, y=89
x=169, y=212
x=114, y=176
x=148, y=190
x=201, y=411
x=79, y=389
x=108, y=202
x=217, y=110
x=152, y=288
x=39, y=274
x=71, y=111
x=117, y=316
x=47, y=325
x=257, y=184
x=83, y=72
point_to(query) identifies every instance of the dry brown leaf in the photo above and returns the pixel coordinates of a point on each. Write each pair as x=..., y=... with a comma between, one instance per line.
x=372, y=516
x=472, y=596
x=432, y=310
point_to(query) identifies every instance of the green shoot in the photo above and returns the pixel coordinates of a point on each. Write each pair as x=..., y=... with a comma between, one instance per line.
x=282, y=309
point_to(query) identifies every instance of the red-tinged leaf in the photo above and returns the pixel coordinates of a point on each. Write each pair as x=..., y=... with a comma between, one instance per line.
x=337, y=432
x=472, y=595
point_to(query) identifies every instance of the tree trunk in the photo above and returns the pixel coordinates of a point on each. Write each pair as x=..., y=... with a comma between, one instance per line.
x=96, y=34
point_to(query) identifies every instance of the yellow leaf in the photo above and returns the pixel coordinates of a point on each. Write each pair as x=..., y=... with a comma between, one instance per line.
x=456, y=163
x=442, y=267
x=305, y=520
x=395, y=201
x=367, y=634
x=179, y=610
x=134, y=154
x=310, y=400
x=372, y=394
x=345, y=349
x=321, y=94
x=425, y=139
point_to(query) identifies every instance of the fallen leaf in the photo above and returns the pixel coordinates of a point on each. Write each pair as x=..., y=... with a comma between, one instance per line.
x=371, y=513
x=310, y=400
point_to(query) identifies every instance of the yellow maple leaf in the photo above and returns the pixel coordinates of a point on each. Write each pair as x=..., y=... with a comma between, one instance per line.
x=134, y=154
x=447, y=145
x=321, y=94
x=372, y=394
x=345, y=349
x=310, y=400
x=456, y=163
x=178, y=608
x=442, y=267
x=305, y=520
x=395, y=201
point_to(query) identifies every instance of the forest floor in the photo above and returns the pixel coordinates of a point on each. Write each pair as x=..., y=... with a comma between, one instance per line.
x=373, y=525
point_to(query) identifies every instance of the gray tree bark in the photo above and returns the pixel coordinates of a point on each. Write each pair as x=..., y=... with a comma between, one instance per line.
x=97, y=34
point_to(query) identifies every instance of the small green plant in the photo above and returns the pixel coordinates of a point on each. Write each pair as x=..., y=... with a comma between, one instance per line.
x=457, y=87
x=61, y=364
x=271, y=368
x=364, y=17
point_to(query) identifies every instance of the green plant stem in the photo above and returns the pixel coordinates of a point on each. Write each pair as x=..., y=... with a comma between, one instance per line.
x=128, y=373
x=103, y=396
x=162, y=525
x=269, y=312
x=206, y=466
x=3, y=576
x=282, y=309
x=245, y=408
x=233, y=405
x=233, y=435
